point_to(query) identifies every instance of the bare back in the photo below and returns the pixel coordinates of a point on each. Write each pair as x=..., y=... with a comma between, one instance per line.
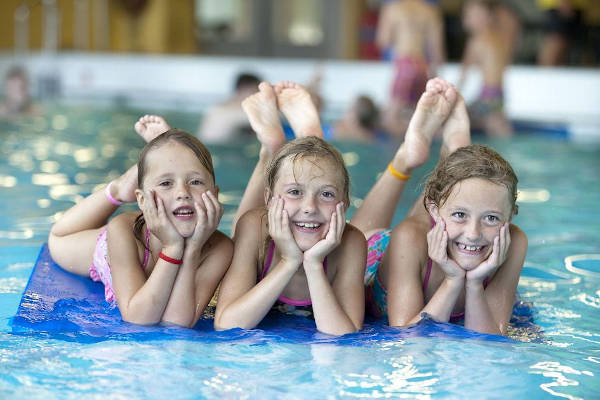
x=410, y=27
x=492, y=54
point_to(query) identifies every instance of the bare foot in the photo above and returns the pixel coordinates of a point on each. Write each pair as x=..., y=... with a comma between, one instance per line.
x=261, y=109
x=150, y=126
x=296, y=105
x=123, y=188
x=432, y=110
x=457, y=130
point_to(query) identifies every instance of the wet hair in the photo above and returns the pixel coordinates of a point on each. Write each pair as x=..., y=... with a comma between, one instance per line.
x=172, y=135
x=474, y=161
x=306, y=148
x=367, y=112
x=245, y=79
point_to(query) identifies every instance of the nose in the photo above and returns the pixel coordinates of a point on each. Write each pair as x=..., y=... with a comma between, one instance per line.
x=473, y=231
x=183, y=192
x=308, y=205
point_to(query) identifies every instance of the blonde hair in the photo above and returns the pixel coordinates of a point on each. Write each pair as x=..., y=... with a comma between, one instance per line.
x=306, y=147
x=474, y=161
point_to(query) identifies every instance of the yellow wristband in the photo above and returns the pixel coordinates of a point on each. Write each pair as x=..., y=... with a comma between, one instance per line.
x=397, y=174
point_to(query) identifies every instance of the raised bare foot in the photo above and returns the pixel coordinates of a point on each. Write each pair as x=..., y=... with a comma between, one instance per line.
x=298, y=108
x=262, y=112
x=150, y=126
x=457, y=130
x=432, y=110
x=123, y=188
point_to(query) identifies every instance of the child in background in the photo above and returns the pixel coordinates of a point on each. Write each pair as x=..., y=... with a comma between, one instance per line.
x=296, y=253
x=163, y=264
x=489, y=49
x=456, y=255
x=413, y=29
x=16, y=94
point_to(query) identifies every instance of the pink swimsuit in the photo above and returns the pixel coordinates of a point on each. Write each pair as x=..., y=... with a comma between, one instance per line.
x=283, y=299
x=100, y=267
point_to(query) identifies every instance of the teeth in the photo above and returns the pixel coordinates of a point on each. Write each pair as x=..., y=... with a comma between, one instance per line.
x=183, y=212
x=307, y=225
x=469, y=248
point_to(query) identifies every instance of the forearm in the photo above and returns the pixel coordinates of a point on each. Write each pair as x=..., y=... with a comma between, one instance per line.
x=248, y=310
x=181, y=307
x=443, y=301
x=329, y=315
x=478, y=316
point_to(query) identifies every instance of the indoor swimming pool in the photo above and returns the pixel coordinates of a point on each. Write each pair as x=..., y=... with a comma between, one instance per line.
x=51, y=160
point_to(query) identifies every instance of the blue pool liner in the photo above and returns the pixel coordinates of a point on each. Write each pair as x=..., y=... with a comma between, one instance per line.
x=59, y=305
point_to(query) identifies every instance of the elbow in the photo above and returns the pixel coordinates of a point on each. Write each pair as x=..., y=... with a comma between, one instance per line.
x=138, y=320
x=223, y=322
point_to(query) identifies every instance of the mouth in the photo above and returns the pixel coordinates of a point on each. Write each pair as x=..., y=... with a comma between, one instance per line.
x=184, y=213
x=471, y=250
x=308, y=227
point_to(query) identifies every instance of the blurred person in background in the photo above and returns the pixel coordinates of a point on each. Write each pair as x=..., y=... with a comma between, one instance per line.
x=563, y=25
x=224, y=122
x=413, y=29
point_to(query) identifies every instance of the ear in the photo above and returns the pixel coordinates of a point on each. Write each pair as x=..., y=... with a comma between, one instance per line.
x=139, y=195
x=433, y=209
x=216, y=191
x=267, y=195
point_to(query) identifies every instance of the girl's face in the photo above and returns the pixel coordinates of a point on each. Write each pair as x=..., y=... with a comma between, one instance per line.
x=178, y=178
x=311, y=189
x=474, y=212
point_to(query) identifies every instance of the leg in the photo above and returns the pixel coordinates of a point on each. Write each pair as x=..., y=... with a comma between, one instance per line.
x=298, y=108
x=456, y=133
x=433, y=108
x=497, y=125
x=73, y=237
x=262, y=112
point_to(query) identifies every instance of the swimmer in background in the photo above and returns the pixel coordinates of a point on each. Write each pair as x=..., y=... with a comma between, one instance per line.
x=225, y=122
x=17, y=101
x=489, y=49
x=414, y=31
x=360, y=122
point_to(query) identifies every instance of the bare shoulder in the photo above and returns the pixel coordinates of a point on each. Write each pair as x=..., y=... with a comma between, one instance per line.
x=410, y=232
x=219, y=242
x=353, y=235
x=518, y=240
x=251, y=221
x=123, y=222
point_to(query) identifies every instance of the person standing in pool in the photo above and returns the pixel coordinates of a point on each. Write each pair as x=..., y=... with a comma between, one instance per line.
x=489, y=49
x=162, y=265
x=456, y=256
x=413, y=30
x=293, y=249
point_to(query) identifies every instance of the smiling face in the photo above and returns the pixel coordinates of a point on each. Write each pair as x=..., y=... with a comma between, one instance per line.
x=176, y=175
x=473, y=213
x=311, y=188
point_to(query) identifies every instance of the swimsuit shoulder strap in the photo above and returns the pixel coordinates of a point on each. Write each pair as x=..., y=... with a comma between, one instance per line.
x=268, y=260
x=146, y=250
x=429, y=262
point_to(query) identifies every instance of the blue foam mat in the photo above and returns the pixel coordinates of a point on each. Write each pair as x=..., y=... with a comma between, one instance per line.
x=57, y=304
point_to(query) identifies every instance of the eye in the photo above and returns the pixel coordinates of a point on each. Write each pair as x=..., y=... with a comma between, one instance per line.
x=459, y=215
x=196, y=182
x=492, y=219
x=294, y=192
x=328, y=194
x=164, y=184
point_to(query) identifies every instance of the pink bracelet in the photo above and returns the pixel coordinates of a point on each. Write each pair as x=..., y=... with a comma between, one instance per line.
x=109, y=196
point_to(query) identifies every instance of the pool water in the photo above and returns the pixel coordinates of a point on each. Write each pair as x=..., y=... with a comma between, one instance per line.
x=50, y=161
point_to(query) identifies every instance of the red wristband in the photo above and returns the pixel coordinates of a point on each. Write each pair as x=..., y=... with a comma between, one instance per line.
x=169, y=259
